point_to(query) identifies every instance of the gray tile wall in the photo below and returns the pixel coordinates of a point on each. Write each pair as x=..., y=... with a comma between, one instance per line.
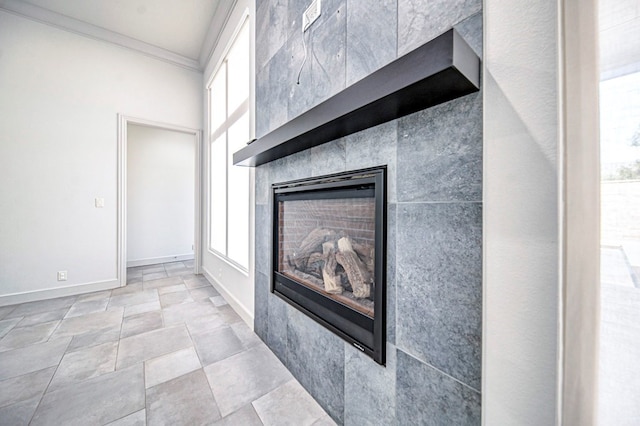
x=434, y=224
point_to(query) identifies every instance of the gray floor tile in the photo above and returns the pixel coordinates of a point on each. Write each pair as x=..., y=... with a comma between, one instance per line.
x=134, y=280
x=76, y=366
x=175, y=298
x=195, y=281
x=152, y=344
x=8, y=324
x=20, y=337
x=205, y=323
x=189, y=263
x=88, y=323
x=87, y=307
x=136, y=298
x=95, y=401
x=25, y=387
x=203, y=292
x=139, y=418
x=170, y=366
x=229, y=314
x=154, y=276
x=242, y=378
x=177, y=314
x=186, y=400
x=245, y=416
x=275, y=408
x=142, y=308
x=179, y=272
x=172, y=266
x=152, y=269
x=97, y=295
x=32, y=358
x=246, y=336
x=43, y=317
x=171, y=289
x=41, y=306
x=216, y=345
x=19, y=414
x=94, y=338
x=127, y=289
x=134, y=272
x=85, y=364
x=141, y=323
x=162, y=282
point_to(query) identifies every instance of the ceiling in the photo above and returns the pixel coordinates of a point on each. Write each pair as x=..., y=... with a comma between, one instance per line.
x=182, y=31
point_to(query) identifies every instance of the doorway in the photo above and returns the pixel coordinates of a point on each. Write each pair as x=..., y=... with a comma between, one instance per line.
x=158, y=194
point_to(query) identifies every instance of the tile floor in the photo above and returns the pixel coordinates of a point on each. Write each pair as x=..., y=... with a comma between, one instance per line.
x=166, y=349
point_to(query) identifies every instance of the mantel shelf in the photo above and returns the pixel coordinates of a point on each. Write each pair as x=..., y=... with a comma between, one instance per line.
x=440, y=70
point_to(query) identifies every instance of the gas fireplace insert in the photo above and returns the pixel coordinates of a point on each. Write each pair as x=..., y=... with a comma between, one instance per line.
x=329, y=252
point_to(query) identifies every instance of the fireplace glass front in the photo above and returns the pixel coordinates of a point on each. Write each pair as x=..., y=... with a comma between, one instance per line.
x=329, y=253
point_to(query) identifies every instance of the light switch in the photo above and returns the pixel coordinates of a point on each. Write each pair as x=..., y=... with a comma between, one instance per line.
x=99, y=203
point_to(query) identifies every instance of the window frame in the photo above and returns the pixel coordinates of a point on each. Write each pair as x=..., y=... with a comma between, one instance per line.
x=246, y=107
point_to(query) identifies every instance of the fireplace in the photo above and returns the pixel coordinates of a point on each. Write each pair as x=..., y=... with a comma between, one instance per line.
x=329, y=253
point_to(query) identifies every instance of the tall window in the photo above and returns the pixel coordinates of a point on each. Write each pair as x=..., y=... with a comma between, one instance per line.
x=619, y=380
x=229, y=131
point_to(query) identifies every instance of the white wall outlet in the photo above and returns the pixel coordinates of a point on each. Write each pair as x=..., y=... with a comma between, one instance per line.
x=99, y=203
x=62, y=275
x=311, y=14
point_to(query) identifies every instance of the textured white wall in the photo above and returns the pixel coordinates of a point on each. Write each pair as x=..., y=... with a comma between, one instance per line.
x=60, y=96
x=521, y=212
x=160, y=194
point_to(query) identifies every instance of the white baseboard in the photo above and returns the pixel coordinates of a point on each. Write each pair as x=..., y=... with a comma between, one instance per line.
x=156, y=260
x=51, y=293
x=240, y=309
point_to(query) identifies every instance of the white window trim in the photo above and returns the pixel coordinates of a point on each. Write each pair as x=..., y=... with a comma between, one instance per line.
x=247, y=106
x=578, y=387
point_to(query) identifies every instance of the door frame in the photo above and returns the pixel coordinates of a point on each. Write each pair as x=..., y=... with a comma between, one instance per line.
x=123, y=122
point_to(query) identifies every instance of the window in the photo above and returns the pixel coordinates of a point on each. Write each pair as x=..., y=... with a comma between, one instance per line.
x=619, y=381
x=229, y=127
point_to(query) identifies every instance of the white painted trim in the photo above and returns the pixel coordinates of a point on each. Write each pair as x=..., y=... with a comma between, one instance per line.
x=220, y=51
x=85, y=29
x=50, y=293
x=218, y=23
x=240, y=309
x=580, y=188
x=157, y=260
x=123, y=121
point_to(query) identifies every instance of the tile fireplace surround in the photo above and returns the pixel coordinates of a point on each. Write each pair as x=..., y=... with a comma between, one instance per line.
x=434, y=212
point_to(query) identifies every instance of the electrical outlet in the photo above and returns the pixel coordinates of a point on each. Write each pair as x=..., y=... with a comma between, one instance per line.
x=62, y=275
x=311, y=14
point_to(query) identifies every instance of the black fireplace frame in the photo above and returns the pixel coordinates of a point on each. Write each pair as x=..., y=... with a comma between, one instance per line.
x=366, y=334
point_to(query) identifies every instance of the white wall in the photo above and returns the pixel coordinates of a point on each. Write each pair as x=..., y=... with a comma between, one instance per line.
x=160, y=195
x=521, y=212
x=236, y=285
x=59, y=98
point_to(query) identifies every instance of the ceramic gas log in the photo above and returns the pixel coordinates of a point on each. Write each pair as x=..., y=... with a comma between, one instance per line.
x=334, y=262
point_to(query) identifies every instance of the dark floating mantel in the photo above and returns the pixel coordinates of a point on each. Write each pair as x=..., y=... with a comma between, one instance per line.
x=440, y=70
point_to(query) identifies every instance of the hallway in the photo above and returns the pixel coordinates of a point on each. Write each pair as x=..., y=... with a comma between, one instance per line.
x=165, y=349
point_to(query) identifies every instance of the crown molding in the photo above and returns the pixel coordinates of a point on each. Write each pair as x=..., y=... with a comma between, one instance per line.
x=85, y=29
x=221, y=16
